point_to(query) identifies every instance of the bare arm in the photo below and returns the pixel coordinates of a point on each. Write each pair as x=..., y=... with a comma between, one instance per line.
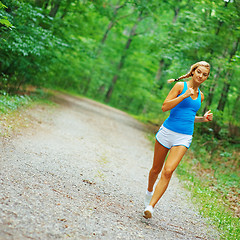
x=207, y=117
x=173, y=99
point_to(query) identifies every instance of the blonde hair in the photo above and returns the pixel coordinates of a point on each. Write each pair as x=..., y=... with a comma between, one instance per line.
x=192, y=69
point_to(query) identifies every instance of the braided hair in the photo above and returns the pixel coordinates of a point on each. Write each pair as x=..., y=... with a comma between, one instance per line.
x=192, y=69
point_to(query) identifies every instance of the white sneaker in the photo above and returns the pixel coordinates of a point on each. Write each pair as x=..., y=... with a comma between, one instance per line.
x=148, y=198
x=148, y=212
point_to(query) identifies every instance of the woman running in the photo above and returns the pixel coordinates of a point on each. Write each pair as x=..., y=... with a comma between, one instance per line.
x=175, y=135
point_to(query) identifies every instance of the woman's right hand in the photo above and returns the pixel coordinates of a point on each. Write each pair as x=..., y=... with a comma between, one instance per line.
x=189, y=92
x=174, y=97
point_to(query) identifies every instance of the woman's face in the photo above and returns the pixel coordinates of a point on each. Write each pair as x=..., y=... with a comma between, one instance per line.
x=200, y=74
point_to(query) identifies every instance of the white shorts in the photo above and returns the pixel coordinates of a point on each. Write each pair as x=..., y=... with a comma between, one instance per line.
x=169, y=138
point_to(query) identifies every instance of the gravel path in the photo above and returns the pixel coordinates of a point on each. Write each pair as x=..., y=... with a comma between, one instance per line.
x=80, y=172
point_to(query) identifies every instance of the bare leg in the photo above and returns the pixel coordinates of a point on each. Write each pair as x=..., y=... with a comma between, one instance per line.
x=173, y=159
x=160, y=153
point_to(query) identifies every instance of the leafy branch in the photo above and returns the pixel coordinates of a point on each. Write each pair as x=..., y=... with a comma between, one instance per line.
x=4, y=20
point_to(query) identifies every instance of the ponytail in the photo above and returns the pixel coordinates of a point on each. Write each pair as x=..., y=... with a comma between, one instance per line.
x=190, y=73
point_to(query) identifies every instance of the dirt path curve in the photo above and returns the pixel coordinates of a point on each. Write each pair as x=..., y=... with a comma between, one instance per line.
x=80, y=172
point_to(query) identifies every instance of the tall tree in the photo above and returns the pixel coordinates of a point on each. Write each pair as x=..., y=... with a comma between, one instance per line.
x=227, y=82
x=55, y=4
x=214, y=82
x=175, y=7
x=123, y=57
x=113, y=19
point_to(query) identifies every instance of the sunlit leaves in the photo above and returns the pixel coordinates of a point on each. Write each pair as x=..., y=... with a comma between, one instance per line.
x=5, y=22
x=3, y=19
x=171, y=36
x=28, y=48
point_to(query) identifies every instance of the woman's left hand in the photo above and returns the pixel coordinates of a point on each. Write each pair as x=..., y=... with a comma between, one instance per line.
x=208, y=116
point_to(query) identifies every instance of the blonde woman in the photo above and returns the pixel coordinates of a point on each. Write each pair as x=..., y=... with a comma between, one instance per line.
x=175, y=135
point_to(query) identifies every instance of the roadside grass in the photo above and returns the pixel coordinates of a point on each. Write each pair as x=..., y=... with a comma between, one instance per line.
x=210, y=169
x=213, y=179
x=14, y=110
x=215, y=192
x=10, y=103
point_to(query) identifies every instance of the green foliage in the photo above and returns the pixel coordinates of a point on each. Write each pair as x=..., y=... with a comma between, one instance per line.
x=128, y=47
x=5, y=22
x=132, y=47
x=3, y=19
x=11, y=103
x=84, y=45
x=27, y=50
x=210, y=170
x=213, y=187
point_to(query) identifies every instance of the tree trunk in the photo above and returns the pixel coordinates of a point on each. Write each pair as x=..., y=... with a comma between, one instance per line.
x=217, y=75
x=111, y=24
x=122, y=60
x=225, y=90
x=66, y=9
x=236, y=110
x=176, y=13
x=224, y=94
x=54, y=8
x=39, y=3
x=177, y=9
x=113, y=21
x=46, y=4
x=234, y=129
x=212, y=89
x=226, y=86
x=159, y=73
x=85, y=90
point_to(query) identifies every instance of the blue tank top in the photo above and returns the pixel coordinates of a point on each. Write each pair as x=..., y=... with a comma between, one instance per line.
x=182, y=116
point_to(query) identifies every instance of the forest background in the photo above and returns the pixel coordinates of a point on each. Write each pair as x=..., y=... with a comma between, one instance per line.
x=121, y=52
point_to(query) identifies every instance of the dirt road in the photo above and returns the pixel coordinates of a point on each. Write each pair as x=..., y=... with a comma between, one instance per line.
x=79, y=171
